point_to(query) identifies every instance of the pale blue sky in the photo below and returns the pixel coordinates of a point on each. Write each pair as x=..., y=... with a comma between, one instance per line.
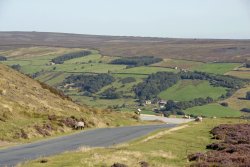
x=160, y=18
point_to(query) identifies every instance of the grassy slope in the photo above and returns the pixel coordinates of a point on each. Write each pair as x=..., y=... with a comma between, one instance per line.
x=211, y=110
x=189, y=89
x=26, y=104
x=241, y=72
x=165, y=149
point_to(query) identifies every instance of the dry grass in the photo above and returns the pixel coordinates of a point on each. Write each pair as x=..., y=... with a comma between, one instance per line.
x=130, y=158
x=31, y=52
x=240, y=74
x=162, y=133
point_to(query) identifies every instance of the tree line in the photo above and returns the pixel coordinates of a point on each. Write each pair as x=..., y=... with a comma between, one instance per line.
x=89, y=83
x=154, y=84
x=215, y=80
x=183, y=105
x=160, y=81
x=137, y=61
x=68, y=56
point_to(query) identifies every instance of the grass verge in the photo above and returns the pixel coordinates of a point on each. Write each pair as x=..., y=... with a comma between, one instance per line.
x=169, y=149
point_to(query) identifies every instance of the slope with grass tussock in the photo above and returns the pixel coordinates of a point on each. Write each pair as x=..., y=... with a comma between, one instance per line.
x=29, y=109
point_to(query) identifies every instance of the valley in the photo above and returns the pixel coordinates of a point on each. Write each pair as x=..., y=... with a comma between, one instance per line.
x=45, y=90
x=119, y=94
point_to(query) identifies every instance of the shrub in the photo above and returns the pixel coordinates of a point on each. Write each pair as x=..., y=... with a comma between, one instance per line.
x=180, y=112
x=245, y=110
x=44, y=161
x=89, y=83
x=225, y=104
x=111, y=93
x=16, y=67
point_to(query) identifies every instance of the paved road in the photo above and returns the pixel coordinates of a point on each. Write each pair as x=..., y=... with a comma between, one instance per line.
x=94, y=138
x=146, y=117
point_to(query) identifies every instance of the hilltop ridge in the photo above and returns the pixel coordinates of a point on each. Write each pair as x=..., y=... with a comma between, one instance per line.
x=205, y=50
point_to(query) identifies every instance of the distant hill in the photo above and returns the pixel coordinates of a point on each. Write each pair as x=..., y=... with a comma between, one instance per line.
x=29, y=109
x=205, y=50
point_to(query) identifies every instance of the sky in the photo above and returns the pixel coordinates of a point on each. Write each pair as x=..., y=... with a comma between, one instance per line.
x=224, y=19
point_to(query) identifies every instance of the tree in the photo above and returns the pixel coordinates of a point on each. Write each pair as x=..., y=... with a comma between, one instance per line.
x=170, y=104
x=225, y=104
x=154, y=84
x=16, y=67
x=248, y=95
x=245, y=110
x=111, y=93
x=89, y=83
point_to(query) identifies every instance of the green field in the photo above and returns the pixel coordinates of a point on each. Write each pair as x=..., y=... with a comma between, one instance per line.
x=181, y=64
x=217, y=68
x=190, y=89
x=37, y=60
x=211, y=110
x=93, y=58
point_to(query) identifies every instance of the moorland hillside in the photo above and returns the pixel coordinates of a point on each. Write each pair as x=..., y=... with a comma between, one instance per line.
x=30, y=109
x=205, y=50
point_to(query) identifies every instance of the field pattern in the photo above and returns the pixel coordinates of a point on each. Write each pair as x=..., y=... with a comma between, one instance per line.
x=36, y=61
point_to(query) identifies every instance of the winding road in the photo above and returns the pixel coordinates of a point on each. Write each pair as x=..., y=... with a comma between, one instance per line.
x=102, y=137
